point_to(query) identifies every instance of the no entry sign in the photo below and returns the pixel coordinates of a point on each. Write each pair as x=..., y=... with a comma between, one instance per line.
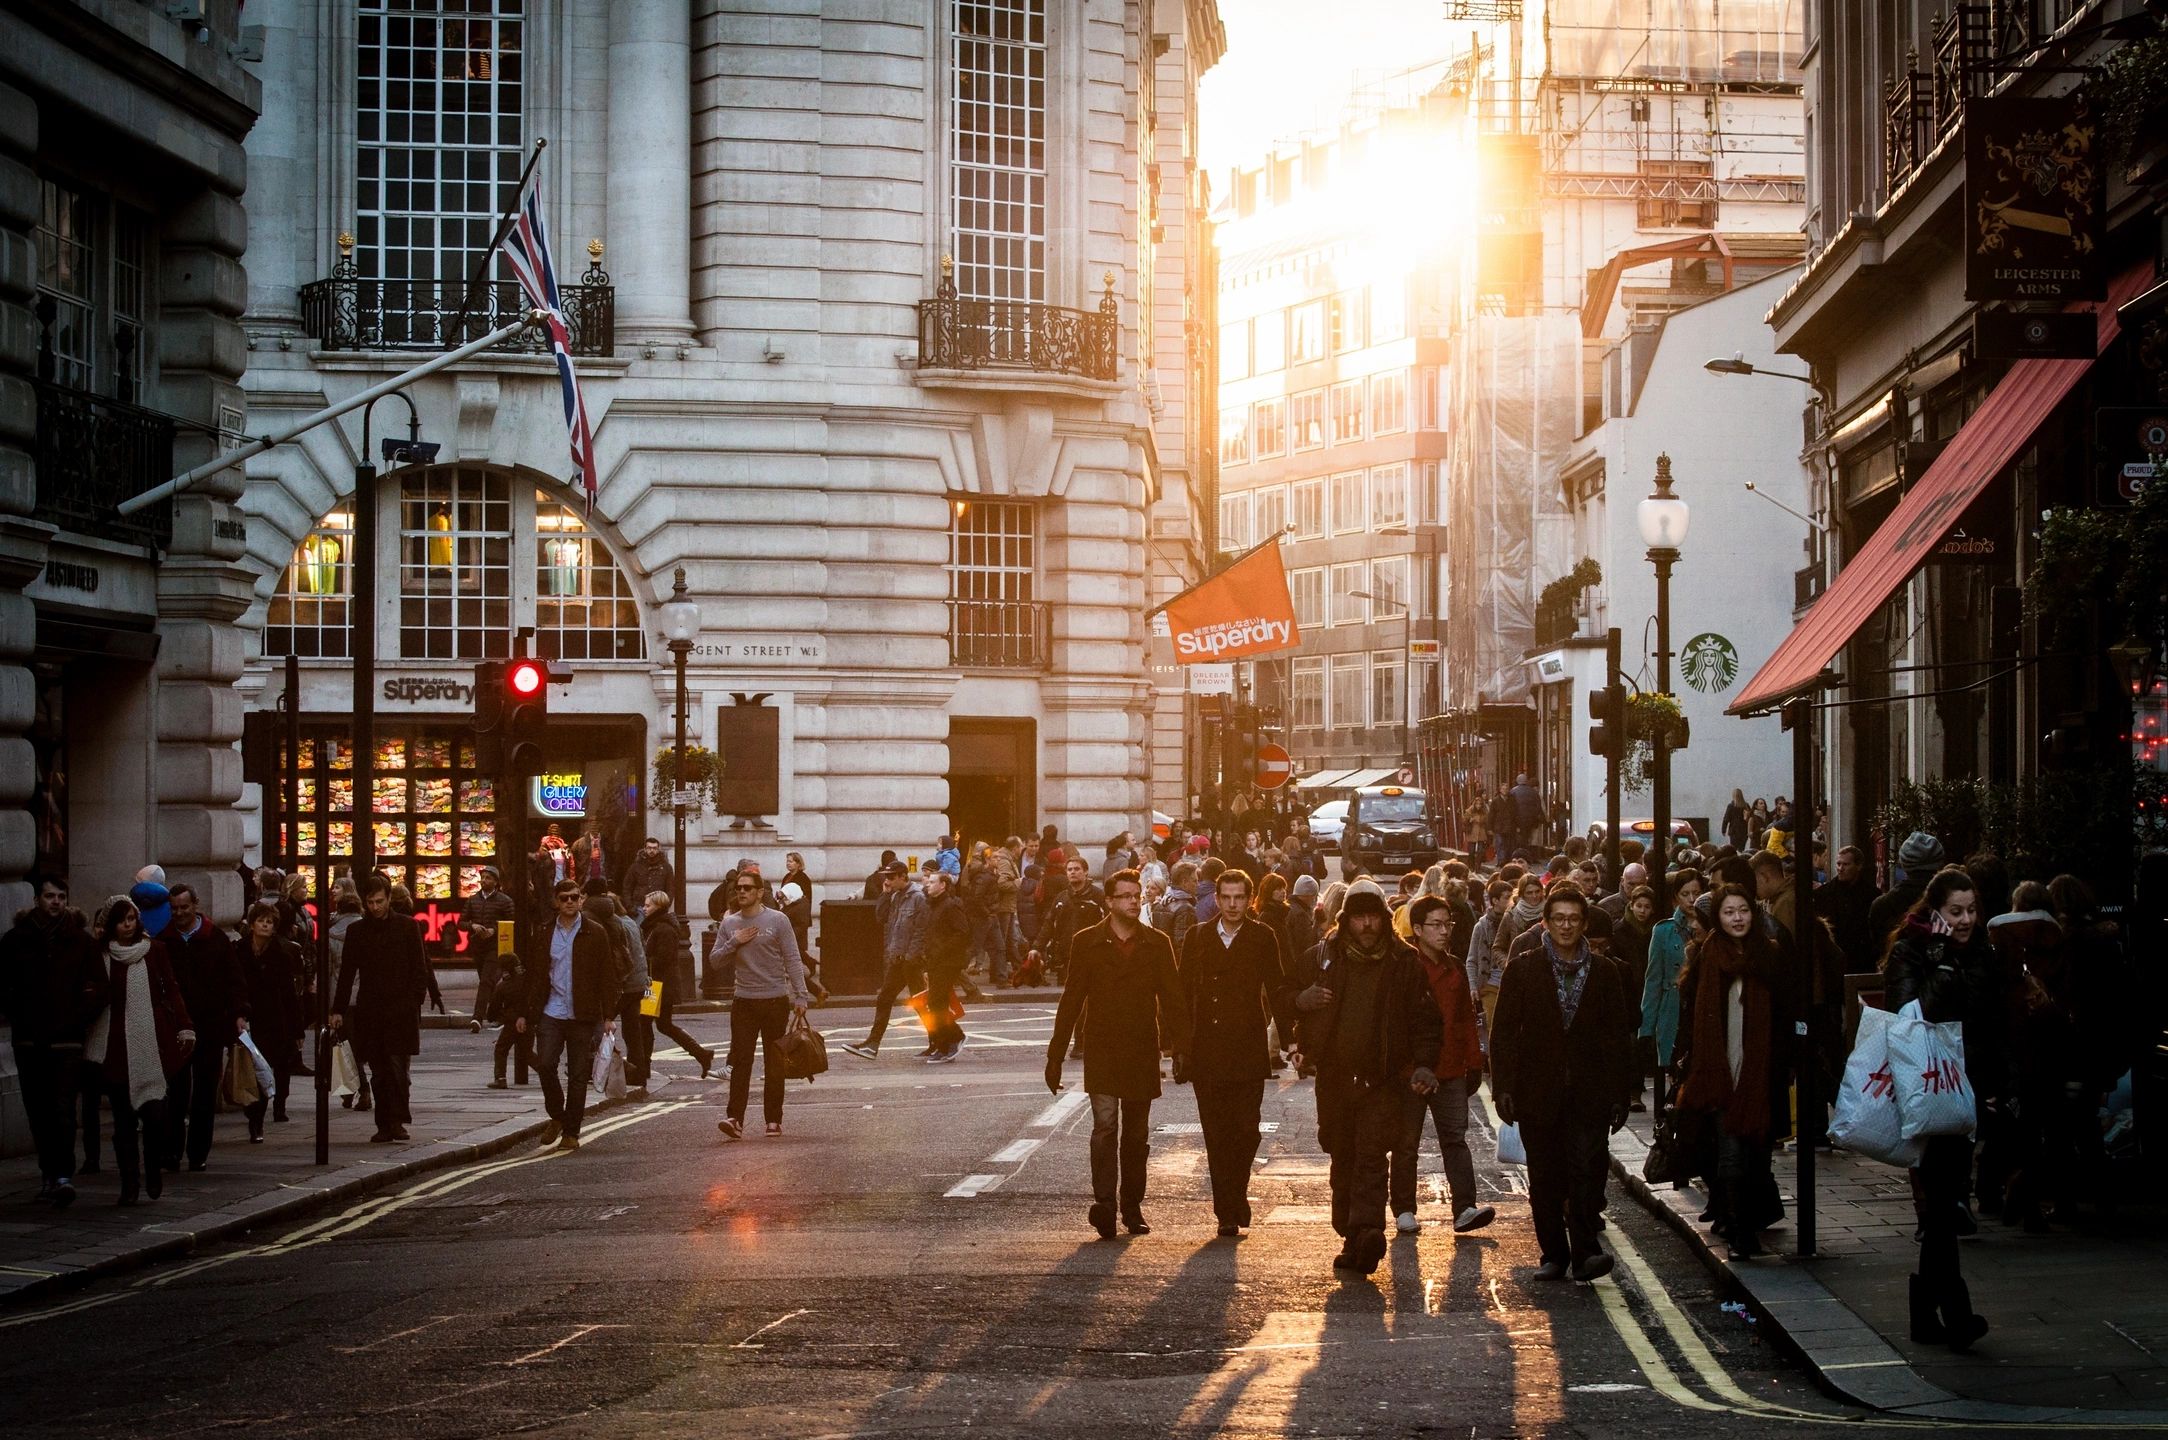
x=1273, y=767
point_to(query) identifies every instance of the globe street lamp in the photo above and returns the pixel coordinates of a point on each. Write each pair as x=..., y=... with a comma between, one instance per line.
x=680, y=623
x=1662, y=517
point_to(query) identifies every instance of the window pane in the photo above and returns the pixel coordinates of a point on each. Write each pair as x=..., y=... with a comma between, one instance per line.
x=455, y=564
x=997, y=122
x=584, y=605
x=308, y=615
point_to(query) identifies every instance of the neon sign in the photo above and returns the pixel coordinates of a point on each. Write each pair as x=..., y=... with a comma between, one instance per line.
x=563, y=795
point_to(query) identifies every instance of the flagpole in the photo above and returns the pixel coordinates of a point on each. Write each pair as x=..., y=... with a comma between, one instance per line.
x=504, y=224
x=1273, y=539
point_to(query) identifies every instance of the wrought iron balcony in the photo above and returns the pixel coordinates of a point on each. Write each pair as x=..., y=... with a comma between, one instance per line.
x=959, y=334
x=998, y=634
x=94, y=453
x=351, y=312
x=1920, y=107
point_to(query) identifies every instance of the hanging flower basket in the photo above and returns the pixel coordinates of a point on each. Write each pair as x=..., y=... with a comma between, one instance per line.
x=703, y=773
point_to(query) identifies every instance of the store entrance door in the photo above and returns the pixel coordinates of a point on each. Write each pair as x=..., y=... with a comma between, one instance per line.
x=992, y=792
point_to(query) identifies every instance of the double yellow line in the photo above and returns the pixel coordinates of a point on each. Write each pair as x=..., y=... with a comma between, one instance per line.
x=355, y=1217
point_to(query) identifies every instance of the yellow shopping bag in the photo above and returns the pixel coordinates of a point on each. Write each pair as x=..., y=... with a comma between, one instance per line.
x=651, y=1003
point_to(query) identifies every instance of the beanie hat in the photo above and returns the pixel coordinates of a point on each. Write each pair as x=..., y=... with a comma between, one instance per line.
x=1366, y=886
x=1363, y=902
x=1921, y=851
x=1306, y=887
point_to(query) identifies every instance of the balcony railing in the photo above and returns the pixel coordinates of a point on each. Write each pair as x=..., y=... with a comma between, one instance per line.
x=959, y=334
x=998, y=634
x=1920, y=107
x=350, y=312
x=94, y=453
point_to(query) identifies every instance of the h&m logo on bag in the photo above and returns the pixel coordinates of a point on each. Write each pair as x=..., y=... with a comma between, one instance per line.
x=1880, y=1083
x=1942, y=1076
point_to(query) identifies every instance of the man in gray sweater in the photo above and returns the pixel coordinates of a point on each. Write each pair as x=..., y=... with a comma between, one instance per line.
x=771, y=992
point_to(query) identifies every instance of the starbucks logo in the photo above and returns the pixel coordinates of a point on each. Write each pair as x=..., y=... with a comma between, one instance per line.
x=1710, y=661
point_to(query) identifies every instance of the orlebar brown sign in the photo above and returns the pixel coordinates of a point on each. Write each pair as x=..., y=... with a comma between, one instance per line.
x=2035, y=199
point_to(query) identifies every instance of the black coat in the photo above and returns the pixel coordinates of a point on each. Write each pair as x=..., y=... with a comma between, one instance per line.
x=1129, y=998
x=385, y=975
x=948, y=934
x=1410, y=1029
x=1233, y=991
x=208, y=969
x=594, y=975
x=276, y=979
x=52, y=984
x=669, y=955
x=1550, y=1074
x=1967, y=983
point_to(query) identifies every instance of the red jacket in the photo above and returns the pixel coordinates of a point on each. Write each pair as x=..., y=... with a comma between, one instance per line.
x=1460, y=1053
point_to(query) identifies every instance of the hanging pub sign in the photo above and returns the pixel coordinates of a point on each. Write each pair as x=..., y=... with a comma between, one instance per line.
x=2035, y=199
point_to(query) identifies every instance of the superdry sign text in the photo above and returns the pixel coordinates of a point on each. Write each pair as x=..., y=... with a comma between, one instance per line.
x=1243, y=610
x=420, y=689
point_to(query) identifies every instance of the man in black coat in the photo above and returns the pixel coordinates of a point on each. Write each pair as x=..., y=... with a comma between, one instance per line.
x=1370, y=1027
x=948, y=951
x=649, y=871
x=52, y=985
x=484, y=909
x=1077, y=908
x=1122, y=985
x=1236, y=981
x=208, y=969
x=384, y=973
x=1561, y=1069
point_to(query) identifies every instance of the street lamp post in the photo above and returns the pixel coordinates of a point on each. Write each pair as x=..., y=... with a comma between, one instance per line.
x=1662, y=517
x=680, y=623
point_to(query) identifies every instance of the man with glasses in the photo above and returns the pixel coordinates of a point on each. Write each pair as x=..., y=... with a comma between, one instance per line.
x=771, y=993
x=902, y=916
x=568, y=1002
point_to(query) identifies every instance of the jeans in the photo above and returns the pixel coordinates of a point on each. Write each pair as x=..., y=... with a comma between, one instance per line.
x=1567, y=1165
x=566, y=1099
x=667, y=1024
x=49, y=1076
x=1356, y=1126
x=1121, y=1144
x=519, y=1047
x=1447, y=1108
x=901, y=976
x=761, y=1020
x=485, y=989
x=1945, y=1177
x=191, y=1105
x=1228, y=1110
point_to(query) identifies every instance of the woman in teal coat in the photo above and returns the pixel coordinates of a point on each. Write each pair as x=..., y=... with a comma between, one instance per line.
x=1667, y=953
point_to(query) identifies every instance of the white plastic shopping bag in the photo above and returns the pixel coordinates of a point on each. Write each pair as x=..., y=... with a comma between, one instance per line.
x=610, y=1066
x=265, y=1080
x=1510, y=1149
x=1867, y=1121
x=345, y=1069
x=1927, y=1061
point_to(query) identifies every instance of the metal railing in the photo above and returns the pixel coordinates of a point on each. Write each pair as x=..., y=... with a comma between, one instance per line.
x=349, y=312
x=998, y=634
x=92, y=454
x=1920, y=107
x=959, y=334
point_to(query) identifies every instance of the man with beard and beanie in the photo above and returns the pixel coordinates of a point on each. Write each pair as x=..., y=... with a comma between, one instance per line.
x=208, y=969
x=385, y=973
x=1236, y=982
x=649, y=871
x=1561, y=1067
x=52, y=987
x=1370, y=1027
x=1121, y=983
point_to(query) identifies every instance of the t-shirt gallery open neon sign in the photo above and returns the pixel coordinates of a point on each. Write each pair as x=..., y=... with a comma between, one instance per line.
x=562, y=795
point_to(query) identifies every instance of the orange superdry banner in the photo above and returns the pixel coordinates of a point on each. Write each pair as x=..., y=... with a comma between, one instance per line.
x=1243, y=610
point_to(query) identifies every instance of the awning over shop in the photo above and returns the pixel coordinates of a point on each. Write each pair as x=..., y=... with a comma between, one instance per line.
x=1356, y=779
x=1323, y=780
x=2002, y=426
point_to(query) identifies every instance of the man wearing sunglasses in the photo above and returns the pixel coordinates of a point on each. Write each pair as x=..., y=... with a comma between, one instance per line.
x=568, y=1002
x=771, y=990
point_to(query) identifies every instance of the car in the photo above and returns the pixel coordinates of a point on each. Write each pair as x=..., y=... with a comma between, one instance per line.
x=1645, y=828
x=1391, y=829
x=1326, y=823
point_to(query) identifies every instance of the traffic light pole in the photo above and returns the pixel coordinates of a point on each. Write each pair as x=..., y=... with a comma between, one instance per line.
x=1613, y=688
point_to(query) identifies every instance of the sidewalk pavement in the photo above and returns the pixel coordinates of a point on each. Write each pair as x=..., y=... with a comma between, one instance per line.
x=2079, y=1317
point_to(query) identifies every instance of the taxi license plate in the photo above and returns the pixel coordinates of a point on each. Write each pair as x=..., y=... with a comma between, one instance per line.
x=1400, y=859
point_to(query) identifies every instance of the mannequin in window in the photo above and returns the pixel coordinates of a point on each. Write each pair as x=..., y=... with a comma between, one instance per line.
x=320, y=557
x=563, y=563
x=440, y=542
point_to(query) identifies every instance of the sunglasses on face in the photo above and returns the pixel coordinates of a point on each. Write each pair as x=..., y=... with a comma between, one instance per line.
x=567, y=899
x=748, y=885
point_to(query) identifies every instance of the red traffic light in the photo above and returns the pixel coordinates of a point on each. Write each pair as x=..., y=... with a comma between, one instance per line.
x=525, y=677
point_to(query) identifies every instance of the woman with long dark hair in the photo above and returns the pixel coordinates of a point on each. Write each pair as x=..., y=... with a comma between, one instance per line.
x=1733, y=1071
x=1940, y=956
x=143, y=1036
x=272, y=964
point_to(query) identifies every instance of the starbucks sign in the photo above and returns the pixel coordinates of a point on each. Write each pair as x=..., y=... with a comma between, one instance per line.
x=1710, y=662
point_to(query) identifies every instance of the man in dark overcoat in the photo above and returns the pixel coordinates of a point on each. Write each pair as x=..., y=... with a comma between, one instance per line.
x=384, y=973
x=1235, y=977
x=1124, y=971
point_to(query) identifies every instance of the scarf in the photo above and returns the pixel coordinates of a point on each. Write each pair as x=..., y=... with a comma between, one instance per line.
x=1519, y=918
x=1743, y=1105
x=1571, y=973
x=146, y=1071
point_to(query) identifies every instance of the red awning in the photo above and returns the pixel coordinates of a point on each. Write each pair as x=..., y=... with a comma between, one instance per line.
x=2002, y=426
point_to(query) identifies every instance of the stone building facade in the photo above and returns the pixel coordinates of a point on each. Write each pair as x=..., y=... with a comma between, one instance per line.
x=885, y=346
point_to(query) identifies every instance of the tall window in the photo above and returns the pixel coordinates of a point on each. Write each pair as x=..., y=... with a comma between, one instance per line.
x=1309, y=509
x=1234, y=435
x=998, y=176
x=1349, y=510
x=93, y=295
x=994, y=615
x=1388, y=702
x=1270, y=418
x=1347, y=412
x=584, y=608
x=1306, y=413
x=455, y=564
x=1234, y=351
x=1309, y=696
x=437, y=114
x=1388, y=402
x=1269, y=342
x=1271, y=511
x=1306, y=332
x=308, y=615
x=1349, y=608
x=1348, y=683
x=1234, y=521
x=1389, y=583
x=1389, y=496
x=1345, y=320
x=1307, y=589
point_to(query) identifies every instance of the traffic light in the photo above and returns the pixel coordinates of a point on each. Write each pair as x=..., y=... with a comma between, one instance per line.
x=1607, y=707
x=523, y=702
x=1238, y=764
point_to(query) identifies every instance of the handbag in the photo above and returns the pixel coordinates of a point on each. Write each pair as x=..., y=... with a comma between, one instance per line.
x=1927, y=1062
x=609, y=1071
x=803, y=1052
x=1867, y=1121
x=237, y=1085
x=266, y=1078
x=651, y=1002
x=1668, y=1161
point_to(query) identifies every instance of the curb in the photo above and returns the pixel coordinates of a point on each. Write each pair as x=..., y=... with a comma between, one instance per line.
x=181, y=1237
x=1847, y=1357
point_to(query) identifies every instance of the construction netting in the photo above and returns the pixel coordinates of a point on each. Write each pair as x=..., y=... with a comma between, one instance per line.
x=1699, y=41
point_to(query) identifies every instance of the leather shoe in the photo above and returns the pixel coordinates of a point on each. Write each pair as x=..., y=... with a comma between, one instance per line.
x=1134, y=1223
x=1593, y=1267
x=1102, y=1217
x=1551, y=1270
x=1230, y=1232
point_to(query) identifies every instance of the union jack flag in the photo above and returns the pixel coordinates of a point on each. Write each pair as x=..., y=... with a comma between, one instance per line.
x=527, y=249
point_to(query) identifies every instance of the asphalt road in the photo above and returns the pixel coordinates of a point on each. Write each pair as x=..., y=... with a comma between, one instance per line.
x=910, y=1257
